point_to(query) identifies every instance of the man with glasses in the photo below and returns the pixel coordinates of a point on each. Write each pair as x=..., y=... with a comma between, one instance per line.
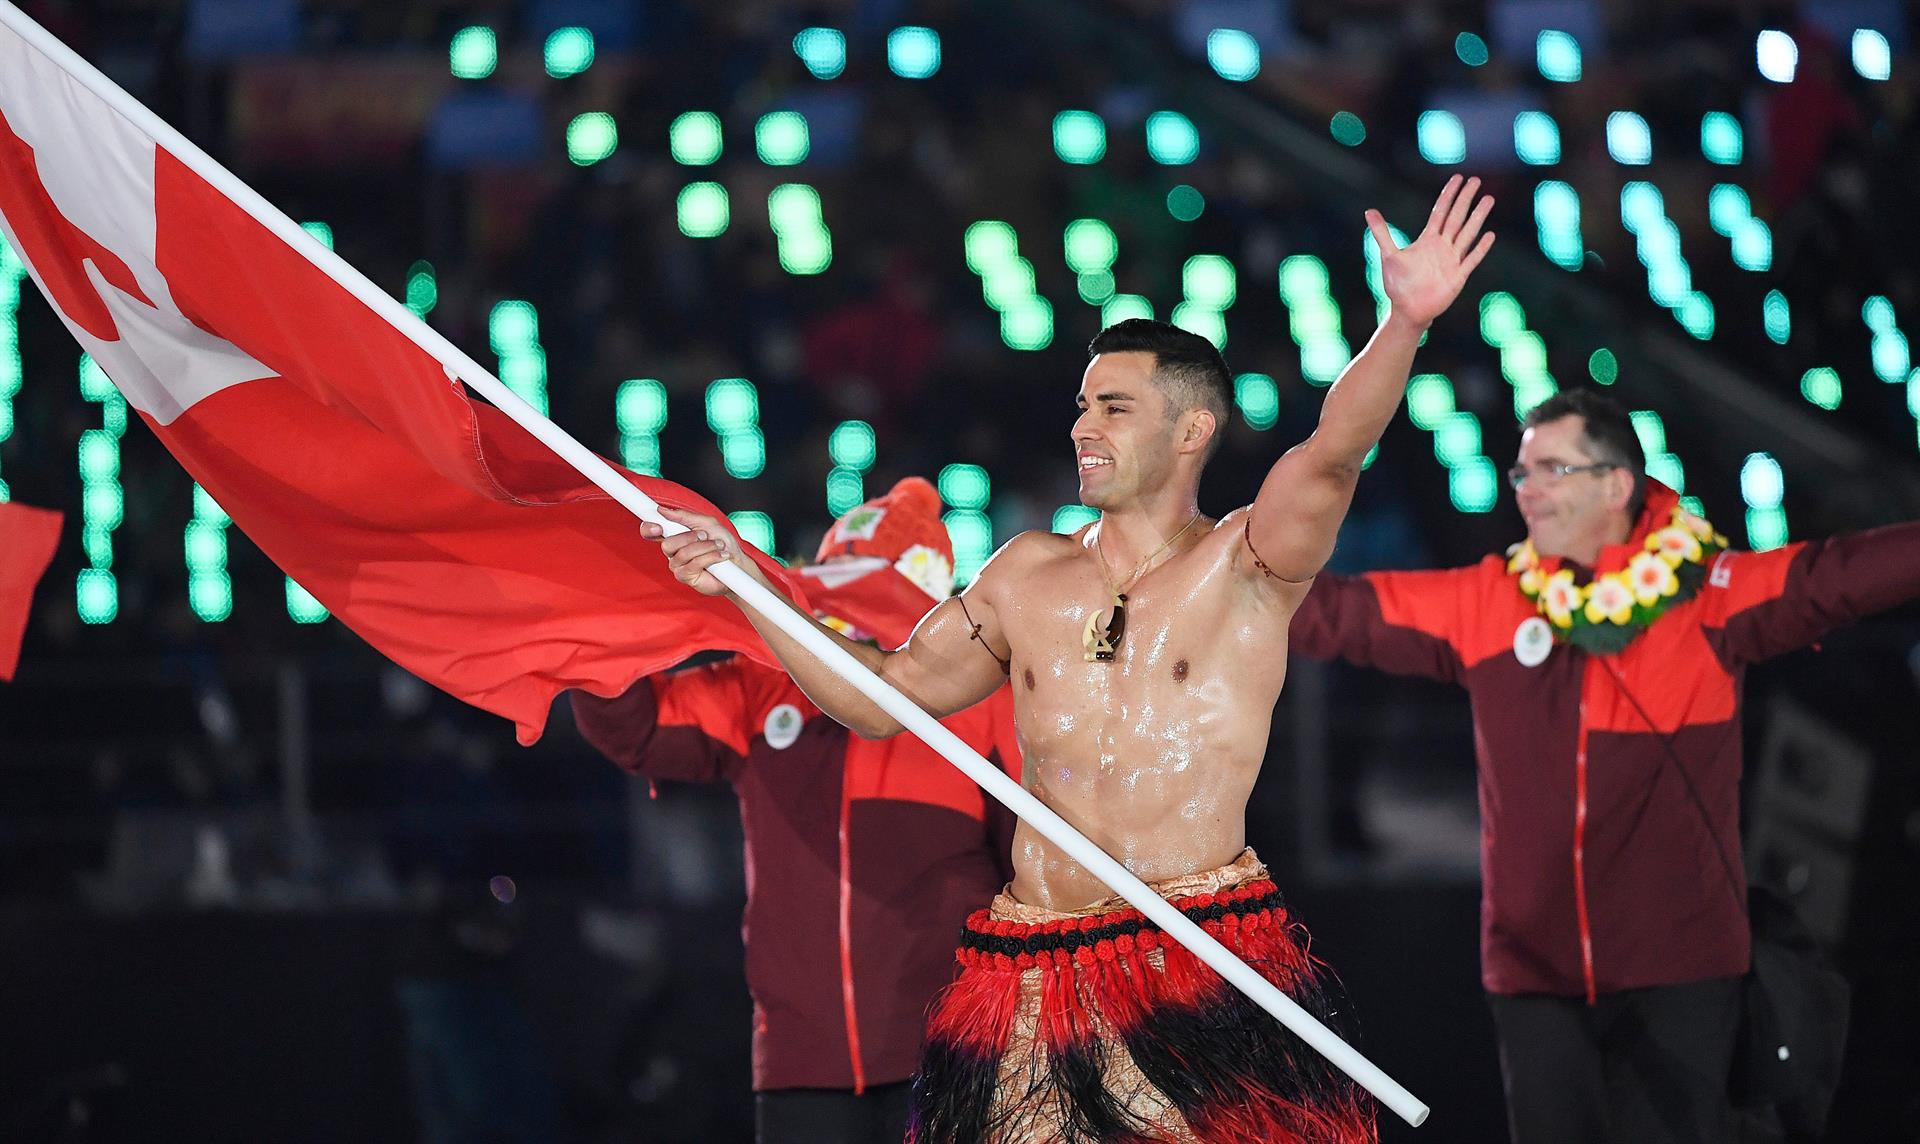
x=1600, y=654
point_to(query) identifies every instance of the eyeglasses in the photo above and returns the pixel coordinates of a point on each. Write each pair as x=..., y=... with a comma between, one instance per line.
x=1553, y=472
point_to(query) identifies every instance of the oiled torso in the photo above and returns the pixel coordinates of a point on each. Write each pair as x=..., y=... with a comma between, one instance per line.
x=1153, y=754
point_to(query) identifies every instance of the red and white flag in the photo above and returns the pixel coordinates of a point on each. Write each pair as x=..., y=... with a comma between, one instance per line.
x=434, y=526
x=27, y=540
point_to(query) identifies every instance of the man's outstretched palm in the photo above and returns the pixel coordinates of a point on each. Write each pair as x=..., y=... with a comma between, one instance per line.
x=1422, y=279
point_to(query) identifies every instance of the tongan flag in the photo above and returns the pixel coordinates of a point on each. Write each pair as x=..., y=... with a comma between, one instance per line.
x=27, y=540
x=434, y=526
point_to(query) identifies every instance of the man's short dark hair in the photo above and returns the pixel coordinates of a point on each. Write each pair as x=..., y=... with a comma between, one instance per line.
x=1188, y=369
x=1609, y=432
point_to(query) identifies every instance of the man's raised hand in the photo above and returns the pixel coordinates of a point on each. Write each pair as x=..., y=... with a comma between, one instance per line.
x=1422, y=279
x=689, y=554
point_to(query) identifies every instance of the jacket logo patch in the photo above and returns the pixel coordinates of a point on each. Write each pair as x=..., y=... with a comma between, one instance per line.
x=782, y=728
x=861, y=523
x=1722, y=573
x=1532, y=642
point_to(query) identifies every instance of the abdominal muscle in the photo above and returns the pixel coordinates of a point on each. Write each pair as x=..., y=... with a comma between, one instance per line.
x=1172, y=802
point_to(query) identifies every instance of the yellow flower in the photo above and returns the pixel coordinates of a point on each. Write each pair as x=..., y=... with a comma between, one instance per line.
x=1675, y=545
x=1520, y=557
x=1609, y=598
x=1561, y=597
x=1651, y=578
x=1694, y=524
x=1532, y=580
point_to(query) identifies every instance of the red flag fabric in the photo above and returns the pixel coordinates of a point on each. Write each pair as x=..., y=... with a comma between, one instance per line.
x=432, y=525
x=27, y=540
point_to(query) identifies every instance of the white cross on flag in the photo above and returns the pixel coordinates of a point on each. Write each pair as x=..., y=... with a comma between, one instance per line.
x=434, y=526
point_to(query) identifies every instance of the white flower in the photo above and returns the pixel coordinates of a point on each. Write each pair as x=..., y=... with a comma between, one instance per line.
x=1561, y=596
x=1651, y=577
x=1609, y=598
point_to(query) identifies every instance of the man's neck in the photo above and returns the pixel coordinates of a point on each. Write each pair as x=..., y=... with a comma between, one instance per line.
x=1128, y=534
x=1586, y=551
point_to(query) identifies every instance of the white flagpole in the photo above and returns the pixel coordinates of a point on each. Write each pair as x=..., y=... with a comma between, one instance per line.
x=751, y=592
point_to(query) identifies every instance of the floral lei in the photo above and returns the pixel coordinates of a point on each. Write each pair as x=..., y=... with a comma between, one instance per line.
x=1605, y=615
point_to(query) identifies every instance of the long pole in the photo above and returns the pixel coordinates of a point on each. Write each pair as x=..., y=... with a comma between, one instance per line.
x=750, y=591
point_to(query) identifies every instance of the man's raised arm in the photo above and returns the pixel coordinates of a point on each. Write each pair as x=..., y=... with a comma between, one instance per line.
x=943, y=668
x=1305, y=496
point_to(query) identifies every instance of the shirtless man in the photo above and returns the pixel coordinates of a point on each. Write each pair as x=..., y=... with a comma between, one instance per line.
x=1146, y=652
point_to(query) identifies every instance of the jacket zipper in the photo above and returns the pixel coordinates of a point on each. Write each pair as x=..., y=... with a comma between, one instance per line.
x=846, y=929
x=1580, y=855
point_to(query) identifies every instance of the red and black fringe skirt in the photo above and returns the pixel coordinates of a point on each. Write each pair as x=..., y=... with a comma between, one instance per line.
x=1093, y=1026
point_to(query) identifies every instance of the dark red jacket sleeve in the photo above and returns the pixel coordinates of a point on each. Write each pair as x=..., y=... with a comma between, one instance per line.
x=690, y=726
x=1773, y=602
x=1403, y=623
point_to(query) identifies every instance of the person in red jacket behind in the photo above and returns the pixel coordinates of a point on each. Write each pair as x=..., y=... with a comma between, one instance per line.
x=863, y=856
x=1599, y=655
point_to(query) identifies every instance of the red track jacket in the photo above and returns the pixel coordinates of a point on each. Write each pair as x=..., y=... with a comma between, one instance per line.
x=1597, y=871
x=864, y=857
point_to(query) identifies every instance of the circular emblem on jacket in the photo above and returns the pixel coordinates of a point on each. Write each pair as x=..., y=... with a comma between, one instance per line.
x=1532, y=642
x=782, y=728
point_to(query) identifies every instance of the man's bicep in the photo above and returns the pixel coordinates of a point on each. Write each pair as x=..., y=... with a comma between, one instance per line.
x=955, y=658
x=1296, y=517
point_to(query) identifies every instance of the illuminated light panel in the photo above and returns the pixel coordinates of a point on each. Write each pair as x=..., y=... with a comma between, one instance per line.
x=1091, y=246
x=1777, y=317
x=1603, y=367
x=209, y=587
x=639, y=413
x=513, y=332
x=1233, y=54
x=1763, y=487
x=756, y=528
x=1456, y=439
x=1471, y=49
x=1556, y=215
x=1258, y=399
x=781, y=138
x=1872, y=55
x=1185, y=203
x=1536, y=138
x=846, y=491
x=1095, y=287
x=102, y=500
x=965, y=486
x=321, y=232
x=733, y=413
x=988, y=244
x=1523, y=353
x=1721, y=139
x=1172, y=139
x=1208, y=323
x=1027, y=324
x=1313, y=319
x=1441, y=136
x=1777, y=55
x=1821, y=386
x=694, y=138
x=1079, y=137
x=302, y=608
x=1557, y=54
x=568, y=52
x=423, y=289
x=1629, y=139
x=473, y=52
x=12, y=374
x=702, y=210
x=1728, y=208
x=972, y=536
x=805, y=245
x=591, y=137
x=1209, y=280
x=1120, y=307
x=853, y=445
x=822, y=50
x=913, y=52
x=1429, y=400
x=1474, y=485
x=1071, y=518
x=1347, y=128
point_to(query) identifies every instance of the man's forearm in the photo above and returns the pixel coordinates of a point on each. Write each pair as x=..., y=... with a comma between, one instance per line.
x=829, y=692
x=1362, y=402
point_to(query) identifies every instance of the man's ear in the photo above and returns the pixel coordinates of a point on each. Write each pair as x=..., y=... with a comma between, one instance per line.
x=1620, y=489
x=1200, y=426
